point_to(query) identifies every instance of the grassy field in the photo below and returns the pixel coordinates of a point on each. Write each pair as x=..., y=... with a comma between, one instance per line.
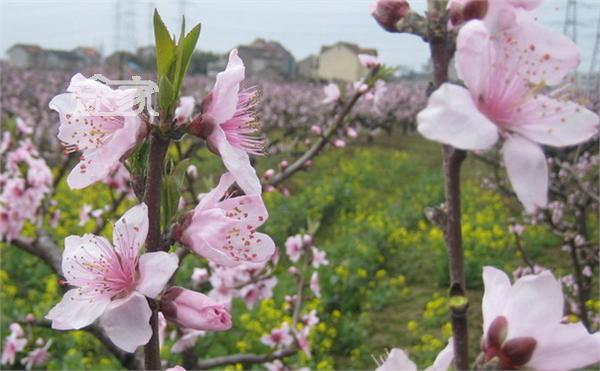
x=387, y=281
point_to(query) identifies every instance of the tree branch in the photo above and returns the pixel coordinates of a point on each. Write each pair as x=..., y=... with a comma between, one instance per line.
x=318, y=146
x=156, y=158
x=244, y=359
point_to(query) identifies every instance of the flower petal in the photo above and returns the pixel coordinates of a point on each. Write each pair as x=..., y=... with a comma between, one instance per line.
x=249, y=210
x=131, y=230
x=568, y=347
x=75, y=311
x=397, y=360
x=156, y=268
x=210, y=199
x=527, y=171
x=497, y=286
x=237, y=162
x=474, y=56
x=555, y=122
x=444, y=359
x=126, y=322
x=226, y=89
x=451, y=117
x=81, y=250
x=541, y=53
x=532, y=303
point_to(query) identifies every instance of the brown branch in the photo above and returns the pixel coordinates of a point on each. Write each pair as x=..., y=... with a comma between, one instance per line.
x=44, y=248
x=320, y=144
x=441, y=49
x=156, y=158
x=244, y=359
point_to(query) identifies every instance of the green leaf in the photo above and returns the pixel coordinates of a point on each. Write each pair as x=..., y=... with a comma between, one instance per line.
x=179, y=172
x=165, y=46
x=187, y=49
x=166, y=93
x=169, y=200
x=138, y=160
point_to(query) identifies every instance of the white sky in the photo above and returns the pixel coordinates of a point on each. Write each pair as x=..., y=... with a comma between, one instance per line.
x=300, y=25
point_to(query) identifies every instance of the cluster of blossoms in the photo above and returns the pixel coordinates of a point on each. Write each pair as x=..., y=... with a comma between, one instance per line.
x=16, y=343
x=25, y=180
x=307, y=258
x=111, y=282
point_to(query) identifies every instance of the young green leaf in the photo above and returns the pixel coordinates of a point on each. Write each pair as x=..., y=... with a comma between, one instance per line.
x=166, y=93
x=169, y=201
x=165, y=46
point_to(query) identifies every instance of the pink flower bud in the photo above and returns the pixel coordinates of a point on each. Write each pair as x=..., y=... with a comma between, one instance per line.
x=388, y=12
x=30, y=318
x=339, y=143
x=351, y=133
x=269, y=174
x=308, y=164
x=307, y=240
x=192, y=171
x=293, y=270
x=283, y=164
x=462, y=11
x=202, y=126
x=190, y=309
x=270, y=189
x=285, y=192
x=315, y=129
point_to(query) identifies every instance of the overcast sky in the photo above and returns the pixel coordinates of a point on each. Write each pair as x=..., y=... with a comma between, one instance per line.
x=300, y=25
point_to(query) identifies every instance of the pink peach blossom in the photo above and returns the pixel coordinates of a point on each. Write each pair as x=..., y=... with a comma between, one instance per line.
x=111, y=283
x=332, y=93
x=503, y=73
x=103, y=140
x=315, y=129
x=38, y=356
x=278, y=337
x=319, y=258
x=315, y=285
x=235, y=124
x=524, y=319
x=224, y=232
x=397, y=360
x=368, y=60
x=294, y=247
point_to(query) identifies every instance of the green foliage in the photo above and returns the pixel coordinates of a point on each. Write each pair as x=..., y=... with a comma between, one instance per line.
x=172, y=60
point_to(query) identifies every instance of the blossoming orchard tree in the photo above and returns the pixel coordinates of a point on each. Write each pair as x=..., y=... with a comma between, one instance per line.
x=509, y=110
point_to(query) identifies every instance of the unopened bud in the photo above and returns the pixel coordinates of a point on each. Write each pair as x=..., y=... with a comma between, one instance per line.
x=283, y=164
x=190, y=309
x=185, y=222
x=388, y=12
x=202, y=126
x=518, y=351
x=462, y=11
x=497, y=332
x=269, y=174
